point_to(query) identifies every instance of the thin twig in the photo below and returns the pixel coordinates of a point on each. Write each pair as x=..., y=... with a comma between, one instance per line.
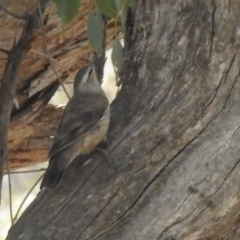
x=29, y=171
x=83, y=43
x=18, y=24
x=49, y=56
x=17, y=105
x=4, y=51
x=10, y=193
x=26, y=197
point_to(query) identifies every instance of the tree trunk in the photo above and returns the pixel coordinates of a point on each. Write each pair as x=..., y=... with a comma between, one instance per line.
x=174, y=137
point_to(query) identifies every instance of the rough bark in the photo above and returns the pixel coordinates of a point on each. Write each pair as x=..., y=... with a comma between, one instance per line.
x=174, y=137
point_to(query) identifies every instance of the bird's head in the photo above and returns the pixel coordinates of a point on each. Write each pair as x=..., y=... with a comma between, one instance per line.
x=86, y=79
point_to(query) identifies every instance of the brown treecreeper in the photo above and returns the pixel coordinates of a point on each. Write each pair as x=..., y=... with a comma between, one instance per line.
x=83, y=126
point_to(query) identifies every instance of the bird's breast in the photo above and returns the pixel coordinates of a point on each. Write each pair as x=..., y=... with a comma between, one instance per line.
x=96, y=134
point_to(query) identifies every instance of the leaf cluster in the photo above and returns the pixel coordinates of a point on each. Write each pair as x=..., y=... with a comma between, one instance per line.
x=112, y=9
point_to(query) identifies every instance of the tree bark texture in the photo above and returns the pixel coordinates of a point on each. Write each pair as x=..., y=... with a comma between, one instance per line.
x=174, y=137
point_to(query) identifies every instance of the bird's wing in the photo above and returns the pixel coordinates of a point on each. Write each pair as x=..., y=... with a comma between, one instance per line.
x=79, y=116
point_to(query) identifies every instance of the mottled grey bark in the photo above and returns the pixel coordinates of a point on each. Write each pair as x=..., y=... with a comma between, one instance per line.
x=174, y=137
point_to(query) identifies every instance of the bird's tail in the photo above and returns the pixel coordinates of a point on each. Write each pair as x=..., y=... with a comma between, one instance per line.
x=52, y=176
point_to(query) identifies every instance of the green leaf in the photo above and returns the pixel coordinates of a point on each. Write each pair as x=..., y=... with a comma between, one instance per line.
x=67, y=9
x=95, y=30
x=122, y=7
x=100, y=20
x=121, y=10
x=108, y=8
x=117, y=56
x=115, y=9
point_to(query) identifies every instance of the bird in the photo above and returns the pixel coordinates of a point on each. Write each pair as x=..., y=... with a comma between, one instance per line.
x=84, y=124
